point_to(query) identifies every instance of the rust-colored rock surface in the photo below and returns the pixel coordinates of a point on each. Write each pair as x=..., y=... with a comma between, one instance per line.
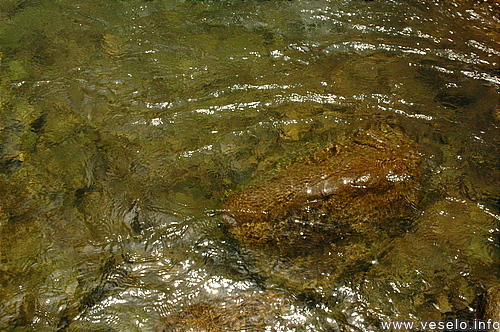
x=371, y=180
x=250, y=312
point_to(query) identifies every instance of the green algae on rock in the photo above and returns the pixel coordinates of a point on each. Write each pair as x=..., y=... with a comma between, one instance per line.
x=371, y=180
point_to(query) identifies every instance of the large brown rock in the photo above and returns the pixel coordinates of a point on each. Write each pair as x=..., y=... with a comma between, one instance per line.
x=369, y=181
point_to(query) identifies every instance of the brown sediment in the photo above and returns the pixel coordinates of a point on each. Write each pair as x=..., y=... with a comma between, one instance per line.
x=371, y=180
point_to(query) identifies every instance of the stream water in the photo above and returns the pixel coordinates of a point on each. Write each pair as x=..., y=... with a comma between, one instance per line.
x=125, y=125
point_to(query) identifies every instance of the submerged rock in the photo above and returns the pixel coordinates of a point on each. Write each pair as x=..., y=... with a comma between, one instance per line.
x=250, y=312
x=493, y=306
x=371, y=180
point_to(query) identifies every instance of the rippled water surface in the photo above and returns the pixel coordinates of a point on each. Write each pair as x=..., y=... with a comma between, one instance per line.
x=125, y=125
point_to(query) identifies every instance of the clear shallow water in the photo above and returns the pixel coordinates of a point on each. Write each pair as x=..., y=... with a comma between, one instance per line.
x=124, y=125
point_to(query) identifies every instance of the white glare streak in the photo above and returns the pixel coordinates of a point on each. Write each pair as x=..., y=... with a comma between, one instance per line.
x=482, y=76
x=156, y=121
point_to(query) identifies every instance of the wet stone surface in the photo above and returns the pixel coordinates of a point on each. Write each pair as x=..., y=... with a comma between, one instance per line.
x=238, y=313
x=368, y=182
